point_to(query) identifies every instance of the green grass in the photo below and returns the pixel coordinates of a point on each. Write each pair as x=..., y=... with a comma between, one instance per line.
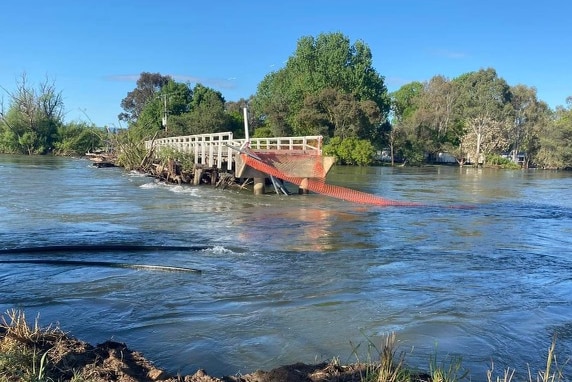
x=21, y=355
x=389, y=365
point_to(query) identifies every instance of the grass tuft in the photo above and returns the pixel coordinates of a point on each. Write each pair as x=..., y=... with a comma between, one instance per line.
x=386, y=365
x=24, y=348
x=449, y=370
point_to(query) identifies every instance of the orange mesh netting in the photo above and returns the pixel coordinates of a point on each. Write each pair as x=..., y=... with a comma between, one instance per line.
x=317, y=183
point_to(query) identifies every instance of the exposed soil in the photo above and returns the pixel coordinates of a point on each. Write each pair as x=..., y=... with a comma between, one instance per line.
x=114, y=361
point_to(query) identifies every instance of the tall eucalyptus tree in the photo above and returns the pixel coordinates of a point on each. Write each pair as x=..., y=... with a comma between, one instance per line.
x=148, y=86
x=530, y=118
x=484, y=104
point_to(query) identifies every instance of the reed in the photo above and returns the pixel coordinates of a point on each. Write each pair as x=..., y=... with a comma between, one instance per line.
x=448, y=370
x=385, y=364
x=22, y=354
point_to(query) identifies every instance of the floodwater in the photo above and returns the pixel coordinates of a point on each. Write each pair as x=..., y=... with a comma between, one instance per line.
x=482, y=271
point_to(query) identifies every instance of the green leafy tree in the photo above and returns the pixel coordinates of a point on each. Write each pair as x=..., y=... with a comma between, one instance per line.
x=235, y=113
x=148, y=86
x=556, y=140
x=30, y=125
x=334, y=113
x=160, y=113
x=271, y=104
x=329, y=61
x=263, y=132
x=412, y=152
x=436, y=114
x=404, y=103
x=207, y=112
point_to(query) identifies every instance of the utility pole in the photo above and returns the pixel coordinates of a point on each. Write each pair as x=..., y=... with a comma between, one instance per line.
x=164, y=119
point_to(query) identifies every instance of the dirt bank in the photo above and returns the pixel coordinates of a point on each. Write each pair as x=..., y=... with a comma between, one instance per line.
x=68, y=358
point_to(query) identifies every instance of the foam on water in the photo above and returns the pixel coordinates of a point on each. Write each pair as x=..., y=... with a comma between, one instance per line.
x=174, y=188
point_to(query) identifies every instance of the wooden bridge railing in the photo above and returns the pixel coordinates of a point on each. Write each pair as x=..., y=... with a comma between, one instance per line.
x=209, y=149
x=308, y=144
x=217, y=149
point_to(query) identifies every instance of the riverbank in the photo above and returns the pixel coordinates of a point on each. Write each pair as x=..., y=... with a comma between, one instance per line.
x=29, y=352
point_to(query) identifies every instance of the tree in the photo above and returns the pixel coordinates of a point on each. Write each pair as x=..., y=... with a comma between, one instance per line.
x=235, y=113
x=484, y=103
x=207, y=114
x=148, y=86
x=487, y=135
x=334, y=113
x=160, y=112
x=326, y=62
x=271, y=105
x=530, y=117
x=30, y=125
x=437, y=108
x=404, y=103
x=556, y=140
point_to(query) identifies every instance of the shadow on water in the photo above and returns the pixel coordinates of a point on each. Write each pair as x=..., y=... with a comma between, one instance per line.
x=97, y=249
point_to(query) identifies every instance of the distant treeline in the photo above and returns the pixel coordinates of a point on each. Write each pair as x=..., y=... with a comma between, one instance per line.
x=327, y=87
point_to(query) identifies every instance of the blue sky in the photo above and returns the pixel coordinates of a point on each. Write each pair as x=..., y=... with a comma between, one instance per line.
x=95, y=50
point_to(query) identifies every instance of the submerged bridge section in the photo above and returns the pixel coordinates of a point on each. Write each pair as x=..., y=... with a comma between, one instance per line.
x=296, y=157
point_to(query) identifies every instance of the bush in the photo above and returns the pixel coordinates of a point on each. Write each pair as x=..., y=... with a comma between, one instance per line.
x=350, y=151
x=77, y=139
x=502, y=162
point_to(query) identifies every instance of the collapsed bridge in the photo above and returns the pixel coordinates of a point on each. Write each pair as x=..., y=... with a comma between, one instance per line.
x=297, y=160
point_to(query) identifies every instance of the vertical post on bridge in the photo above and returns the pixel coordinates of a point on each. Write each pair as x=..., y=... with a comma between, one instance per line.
x=259, y=186
x=258, y=182
x=246, y=132
x=303, y=188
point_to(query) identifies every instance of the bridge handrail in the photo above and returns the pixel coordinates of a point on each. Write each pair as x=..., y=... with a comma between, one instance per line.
x=187, y=141
x=307, y=143
x=216, y=148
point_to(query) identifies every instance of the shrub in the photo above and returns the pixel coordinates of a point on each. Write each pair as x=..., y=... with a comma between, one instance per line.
x=350, y=151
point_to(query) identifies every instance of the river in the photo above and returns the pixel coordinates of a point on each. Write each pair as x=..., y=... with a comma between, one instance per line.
x=294, y=278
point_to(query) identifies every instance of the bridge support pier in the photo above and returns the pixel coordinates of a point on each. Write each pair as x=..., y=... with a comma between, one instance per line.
x=259, y=186
x=198, y=175
x=303, y=188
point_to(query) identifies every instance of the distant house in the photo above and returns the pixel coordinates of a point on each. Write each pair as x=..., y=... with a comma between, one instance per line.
x=517, y=158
